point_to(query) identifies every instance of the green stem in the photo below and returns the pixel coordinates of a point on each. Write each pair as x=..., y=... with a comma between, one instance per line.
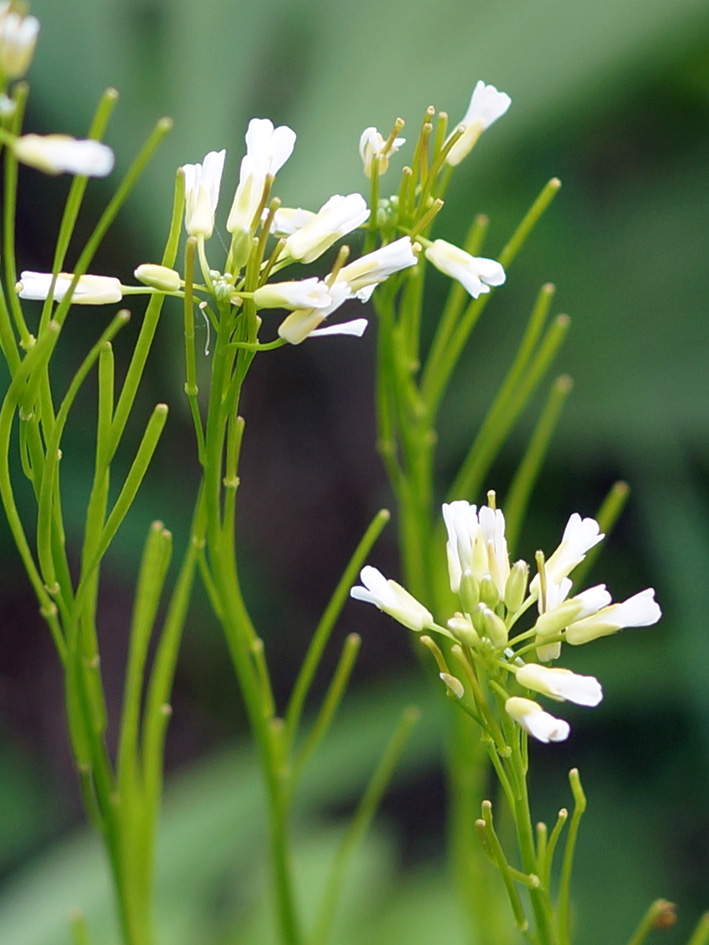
x=361, y=820
x=525, y=477
x=327, y=622
x=564, y=908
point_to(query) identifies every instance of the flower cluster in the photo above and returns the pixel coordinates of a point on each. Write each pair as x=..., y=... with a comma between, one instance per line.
x=493, y=596
x=301, y=236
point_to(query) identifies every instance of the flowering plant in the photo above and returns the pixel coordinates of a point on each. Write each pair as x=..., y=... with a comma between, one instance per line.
x=489, y=666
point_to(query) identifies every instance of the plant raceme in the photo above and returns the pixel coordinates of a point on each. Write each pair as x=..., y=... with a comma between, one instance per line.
x=498, y=665
x=302, y=236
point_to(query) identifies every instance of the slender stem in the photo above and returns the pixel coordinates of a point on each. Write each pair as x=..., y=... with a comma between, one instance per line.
x=361, y=820
x=327, y=622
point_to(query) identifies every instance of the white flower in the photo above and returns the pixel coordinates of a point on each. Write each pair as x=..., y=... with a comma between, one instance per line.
x=267, y=150
x=18, y=37
x=486, y=106
x=556, y=613
x=202, y=183
x=392, y=599
x=475, y=274
x=57, y=154
x=89, y=290
x=300, y=293
x=368, y=271
x=372, y=144
x=304, y=322
x=476, y=543
x=560, y=684
x=337, y=217
x=559, y=612
x=534, y=720
x=580, y=535
x=462, y=525
x=286, y=220
x=640, y=610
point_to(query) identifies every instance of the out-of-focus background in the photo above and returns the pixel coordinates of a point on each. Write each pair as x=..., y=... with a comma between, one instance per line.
x=614, y=99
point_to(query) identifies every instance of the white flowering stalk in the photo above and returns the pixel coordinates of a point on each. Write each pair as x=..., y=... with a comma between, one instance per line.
x=493, y=597
x=475, y=274
x=89, y=290
x=202, y=184
x=59, y=154
x=486, y=106
x=494, y=644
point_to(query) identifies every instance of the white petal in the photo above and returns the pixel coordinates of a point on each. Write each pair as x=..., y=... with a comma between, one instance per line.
x=356, y=327
x=534, y=720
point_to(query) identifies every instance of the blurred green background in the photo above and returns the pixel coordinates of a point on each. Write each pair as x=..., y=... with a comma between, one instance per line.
x=612, y=97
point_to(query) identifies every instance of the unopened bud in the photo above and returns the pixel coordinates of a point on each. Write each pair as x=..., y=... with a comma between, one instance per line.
x=158, y=277
x=463, y=630
x=489, y=594
x=468, y=592
x=495, y=628
x=516, y=586
x=454, y=686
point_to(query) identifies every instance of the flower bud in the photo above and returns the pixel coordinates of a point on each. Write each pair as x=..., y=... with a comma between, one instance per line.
x=462, y=629
x=158, y=277
x=468, y=591
x=454, y=686
x=516, y=586
x=489, y=593
x=495, y=627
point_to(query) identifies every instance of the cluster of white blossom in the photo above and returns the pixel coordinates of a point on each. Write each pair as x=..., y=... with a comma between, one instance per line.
x=303, y=235
x=493, y=595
